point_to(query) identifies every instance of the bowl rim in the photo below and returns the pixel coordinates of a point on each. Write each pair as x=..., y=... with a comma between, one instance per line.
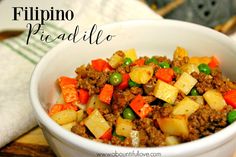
x=194, y=147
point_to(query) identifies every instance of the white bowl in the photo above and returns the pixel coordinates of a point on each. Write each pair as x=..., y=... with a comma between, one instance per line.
x=149, y=38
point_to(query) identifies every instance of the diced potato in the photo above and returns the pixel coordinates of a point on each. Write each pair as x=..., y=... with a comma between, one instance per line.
x=197, y=99
x=64, y=117
x=100, y=105
x=189, y=68
x=185, y=83
x=68, y=126
x=172, y=140
x=80, y=115
x=199, y=60
x=60, y=100
x=115, y=60
x=124, y=127
x=180, y=53
x=214, y=99
x=165, y=92
x=177, y=126
x=185, y=107
x=131, y=53
x=141, y=74
x=135, y=138
x=96, y=124
x=91, y=102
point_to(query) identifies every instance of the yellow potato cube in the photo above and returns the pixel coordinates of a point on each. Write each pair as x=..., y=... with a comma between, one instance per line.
x=64, y=117
x=180, y=53
x=165, y=92
x=141, y=74
x=185, y=107
x=185, y=83
x=214, y=99
x=124, y=127
x=177, y=126
x=68, y=126
x=199, y=60
x=197, y=99
x=96, y=123
x=80, y=115
x=131, y=53
x=115, y=61
x=172, y=140
x=189, y=68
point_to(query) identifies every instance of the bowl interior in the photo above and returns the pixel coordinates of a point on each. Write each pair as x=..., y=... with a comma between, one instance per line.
x=147, y=37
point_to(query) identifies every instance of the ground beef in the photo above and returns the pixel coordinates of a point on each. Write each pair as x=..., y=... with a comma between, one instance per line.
x=111, y=119
x=149, y=99
x=179, y=62
x=166, y=111
x=206, y=121
x=149, y=134
x=204, y=82
x=121, y=99
x=92, y=80
x=149, y=86
x=117, y=141
x=79, y=130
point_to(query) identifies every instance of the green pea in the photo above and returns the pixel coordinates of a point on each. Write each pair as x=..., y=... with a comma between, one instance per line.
x=231, y=117
x=133, y=84
x=115, y=79
x=122, y=138
x=194, y=92
x=177, y=70
x=204, y=68
x=127, y=61
x=151, y=60
x=128, y=113
x=164, y=65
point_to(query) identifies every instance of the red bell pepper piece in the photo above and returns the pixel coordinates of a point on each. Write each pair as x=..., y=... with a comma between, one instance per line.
x=165, y=74
x=139, y=62
x=230, y=98
x=89, y=110
x=83, y=96
x=68, y=89
x=99, y=64
x=55, y=108
x=107, y=67
x=70, y=106
x=106, y=93
x=125, y=81
x=60, y=107
x=214, y=62
x=107, y=135
x=140, y=107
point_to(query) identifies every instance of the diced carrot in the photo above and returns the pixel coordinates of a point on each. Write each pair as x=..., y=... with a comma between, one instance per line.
x=230, y=98
x=99, y=64
x=69, y=93
x=63, y=81
x=107, y=135
x=68, y=89
x=106, y=93
x=55, y=108
x=70, y=106
x=165, y=74
x=90, y=110
x=140, y=107
x=214, y=62
x=139, y=62
x=125, y=81
x=83, y=96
